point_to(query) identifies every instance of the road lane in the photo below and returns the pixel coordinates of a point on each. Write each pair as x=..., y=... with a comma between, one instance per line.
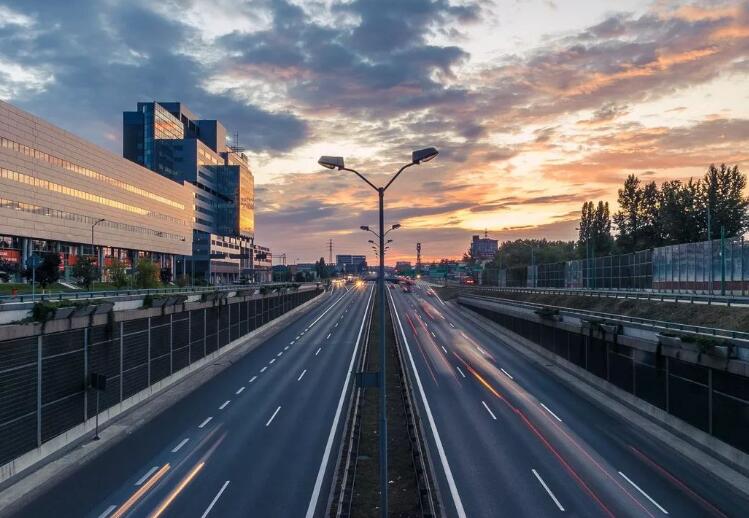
x=262, y=462
x=589, y=446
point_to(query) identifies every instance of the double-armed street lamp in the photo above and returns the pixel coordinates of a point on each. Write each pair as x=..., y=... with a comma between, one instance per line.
x=336, y=162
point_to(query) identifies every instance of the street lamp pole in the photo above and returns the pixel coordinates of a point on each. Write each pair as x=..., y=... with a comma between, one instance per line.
x=93, y=250
x=417, y=157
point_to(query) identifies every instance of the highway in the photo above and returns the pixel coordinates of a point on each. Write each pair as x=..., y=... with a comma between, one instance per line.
x=259, y=439
x=508, y=439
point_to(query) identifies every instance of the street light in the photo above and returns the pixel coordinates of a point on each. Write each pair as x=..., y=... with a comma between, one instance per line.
x=93, y=250
x=337, y=162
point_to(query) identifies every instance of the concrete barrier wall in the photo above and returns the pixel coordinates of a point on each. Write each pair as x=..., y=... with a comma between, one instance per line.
x=709, y=393
x=45, y=397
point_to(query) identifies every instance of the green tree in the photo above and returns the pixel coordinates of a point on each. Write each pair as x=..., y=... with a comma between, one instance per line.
x=147, y=274
x=117, y=274
x=681, y=214
x=632, y=218
x=85, y=271
x=723, y=197
x=322, y=269
x=48, y=271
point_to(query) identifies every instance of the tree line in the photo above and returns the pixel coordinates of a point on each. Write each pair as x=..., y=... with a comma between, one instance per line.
x=648, y=216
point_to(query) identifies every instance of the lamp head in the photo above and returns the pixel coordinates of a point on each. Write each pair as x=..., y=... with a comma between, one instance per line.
x=364, y=227
x=331, y=162
x=423, y=155
x=396, y=226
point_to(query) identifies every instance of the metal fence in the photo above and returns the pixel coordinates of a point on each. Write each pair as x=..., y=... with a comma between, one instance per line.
x=44, y=378
x=705, y=267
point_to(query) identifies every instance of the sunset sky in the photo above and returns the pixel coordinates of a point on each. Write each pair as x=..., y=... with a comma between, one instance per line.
x=535, y=106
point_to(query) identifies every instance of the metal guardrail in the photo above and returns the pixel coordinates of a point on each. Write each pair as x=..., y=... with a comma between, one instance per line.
x=78, y=295
x=641, y=322
x=660, y=296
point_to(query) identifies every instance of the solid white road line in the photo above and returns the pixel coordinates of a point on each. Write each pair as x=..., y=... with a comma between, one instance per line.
x=643, y=493
x=506, y=373
x=253, y=379
x=273, y=416
x=440, y=448
x=311, y=508
x=272, y=361
x=460, y=371
x=239, y=391
x=174, y=450
x=264, y=369
x=302, y=375
x=107, y=511
x=443, y=348
x=201, y=425
x=224, y=405
x=215, y=499
x=318, y=351
x=489, y=410
x=548, y=491
x=153, y=469
x=549, y=410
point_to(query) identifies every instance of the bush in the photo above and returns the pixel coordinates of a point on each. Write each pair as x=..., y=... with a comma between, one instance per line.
x=183, y=281
x=85, y=271
x=117, y=274
x=147, y=274
x=43, y=311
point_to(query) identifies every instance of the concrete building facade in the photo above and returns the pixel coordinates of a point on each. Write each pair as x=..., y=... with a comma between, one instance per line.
x=55, y=186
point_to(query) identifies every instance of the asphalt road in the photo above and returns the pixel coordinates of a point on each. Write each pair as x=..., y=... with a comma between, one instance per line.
x=509, y=439
x=259, y=439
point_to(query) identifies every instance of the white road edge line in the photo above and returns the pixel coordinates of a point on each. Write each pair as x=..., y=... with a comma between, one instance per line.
x=507, y=373
x=153, y=469
x=174, y=450
x=460, y=371
x=215, y=499
x=107, y=511
x=224, y=405
x=302, y=375
x=643, y=493
x=549, y=410
x=201, y=425
x=548, y=491
x=239, y=391
x=489, y=410
x=312, y=507
x=440, y=448
x=273, y=416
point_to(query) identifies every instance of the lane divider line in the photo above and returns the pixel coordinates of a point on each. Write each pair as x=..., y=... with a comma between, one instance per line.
x=202, y=425
x=328, y=337
x=440, y=448
x=460, y=371
x=174, y=450
x=443, y=348
x=286, y=348
x=302, y=375
x=264, y=369
x=142, y=490
x=489, y=410
x=548, y=491
x=318, y=351
x=107, y=511
x=272, y=361
x=312, y=507
x=253, y=379
x=215, y=499
x=508, y=375
x=273, y=416
x=153, y=469
x=224, y=405
x=549, y=410
x=238, y=392
x=643, y=493
x=280, y=353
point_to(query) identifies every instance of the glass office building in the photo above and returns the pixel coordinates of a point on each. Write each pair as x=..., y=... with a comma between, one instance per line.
x=168, y=138
x=55, y=187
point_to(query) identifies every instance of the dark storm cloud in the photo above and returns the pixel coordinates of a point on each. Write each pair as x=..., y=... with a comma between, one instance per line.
x=104, y=58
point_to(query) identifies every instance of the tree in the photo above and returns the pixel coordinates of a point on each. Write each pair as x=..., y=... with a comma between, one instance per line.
x=165, y=275
x=85, y=271
x=724, y=200
x=300, y=277
x=681, y=216
x=519, y=252
x=634, y=220
x=146, y=275
x=322, y=269
x=117, y=274
x=48, y=271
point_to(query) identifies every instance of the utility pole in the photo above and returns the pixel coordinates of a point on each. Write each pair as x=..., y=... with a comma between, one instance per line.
x=418, y=259
x=330, y=251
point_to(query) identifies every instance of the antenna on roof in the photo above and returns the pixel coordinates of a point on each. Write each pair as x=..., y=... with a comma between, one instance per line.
x=236, y=148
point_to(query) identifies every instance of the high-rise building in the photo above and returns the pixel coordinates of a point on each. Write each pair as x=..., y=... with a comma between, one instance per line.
x=169, y=139
x=484, y=248
x=60, y=194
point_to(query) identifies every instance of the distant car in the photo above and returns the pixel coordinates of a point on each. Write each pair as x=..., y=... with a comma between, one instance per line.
x=406, y=289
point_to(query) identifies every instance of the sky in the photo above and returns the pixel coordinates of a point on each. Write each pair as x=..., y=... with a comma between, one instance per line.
x=535, y=105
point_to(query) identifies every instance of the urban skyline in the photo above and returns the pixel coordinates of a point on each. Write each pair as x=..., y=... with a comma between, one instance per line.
x=531, y=124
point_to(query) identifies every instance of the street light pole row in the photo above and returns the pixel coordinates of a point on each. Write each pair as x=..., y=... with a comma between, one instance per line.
x=336, y=162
